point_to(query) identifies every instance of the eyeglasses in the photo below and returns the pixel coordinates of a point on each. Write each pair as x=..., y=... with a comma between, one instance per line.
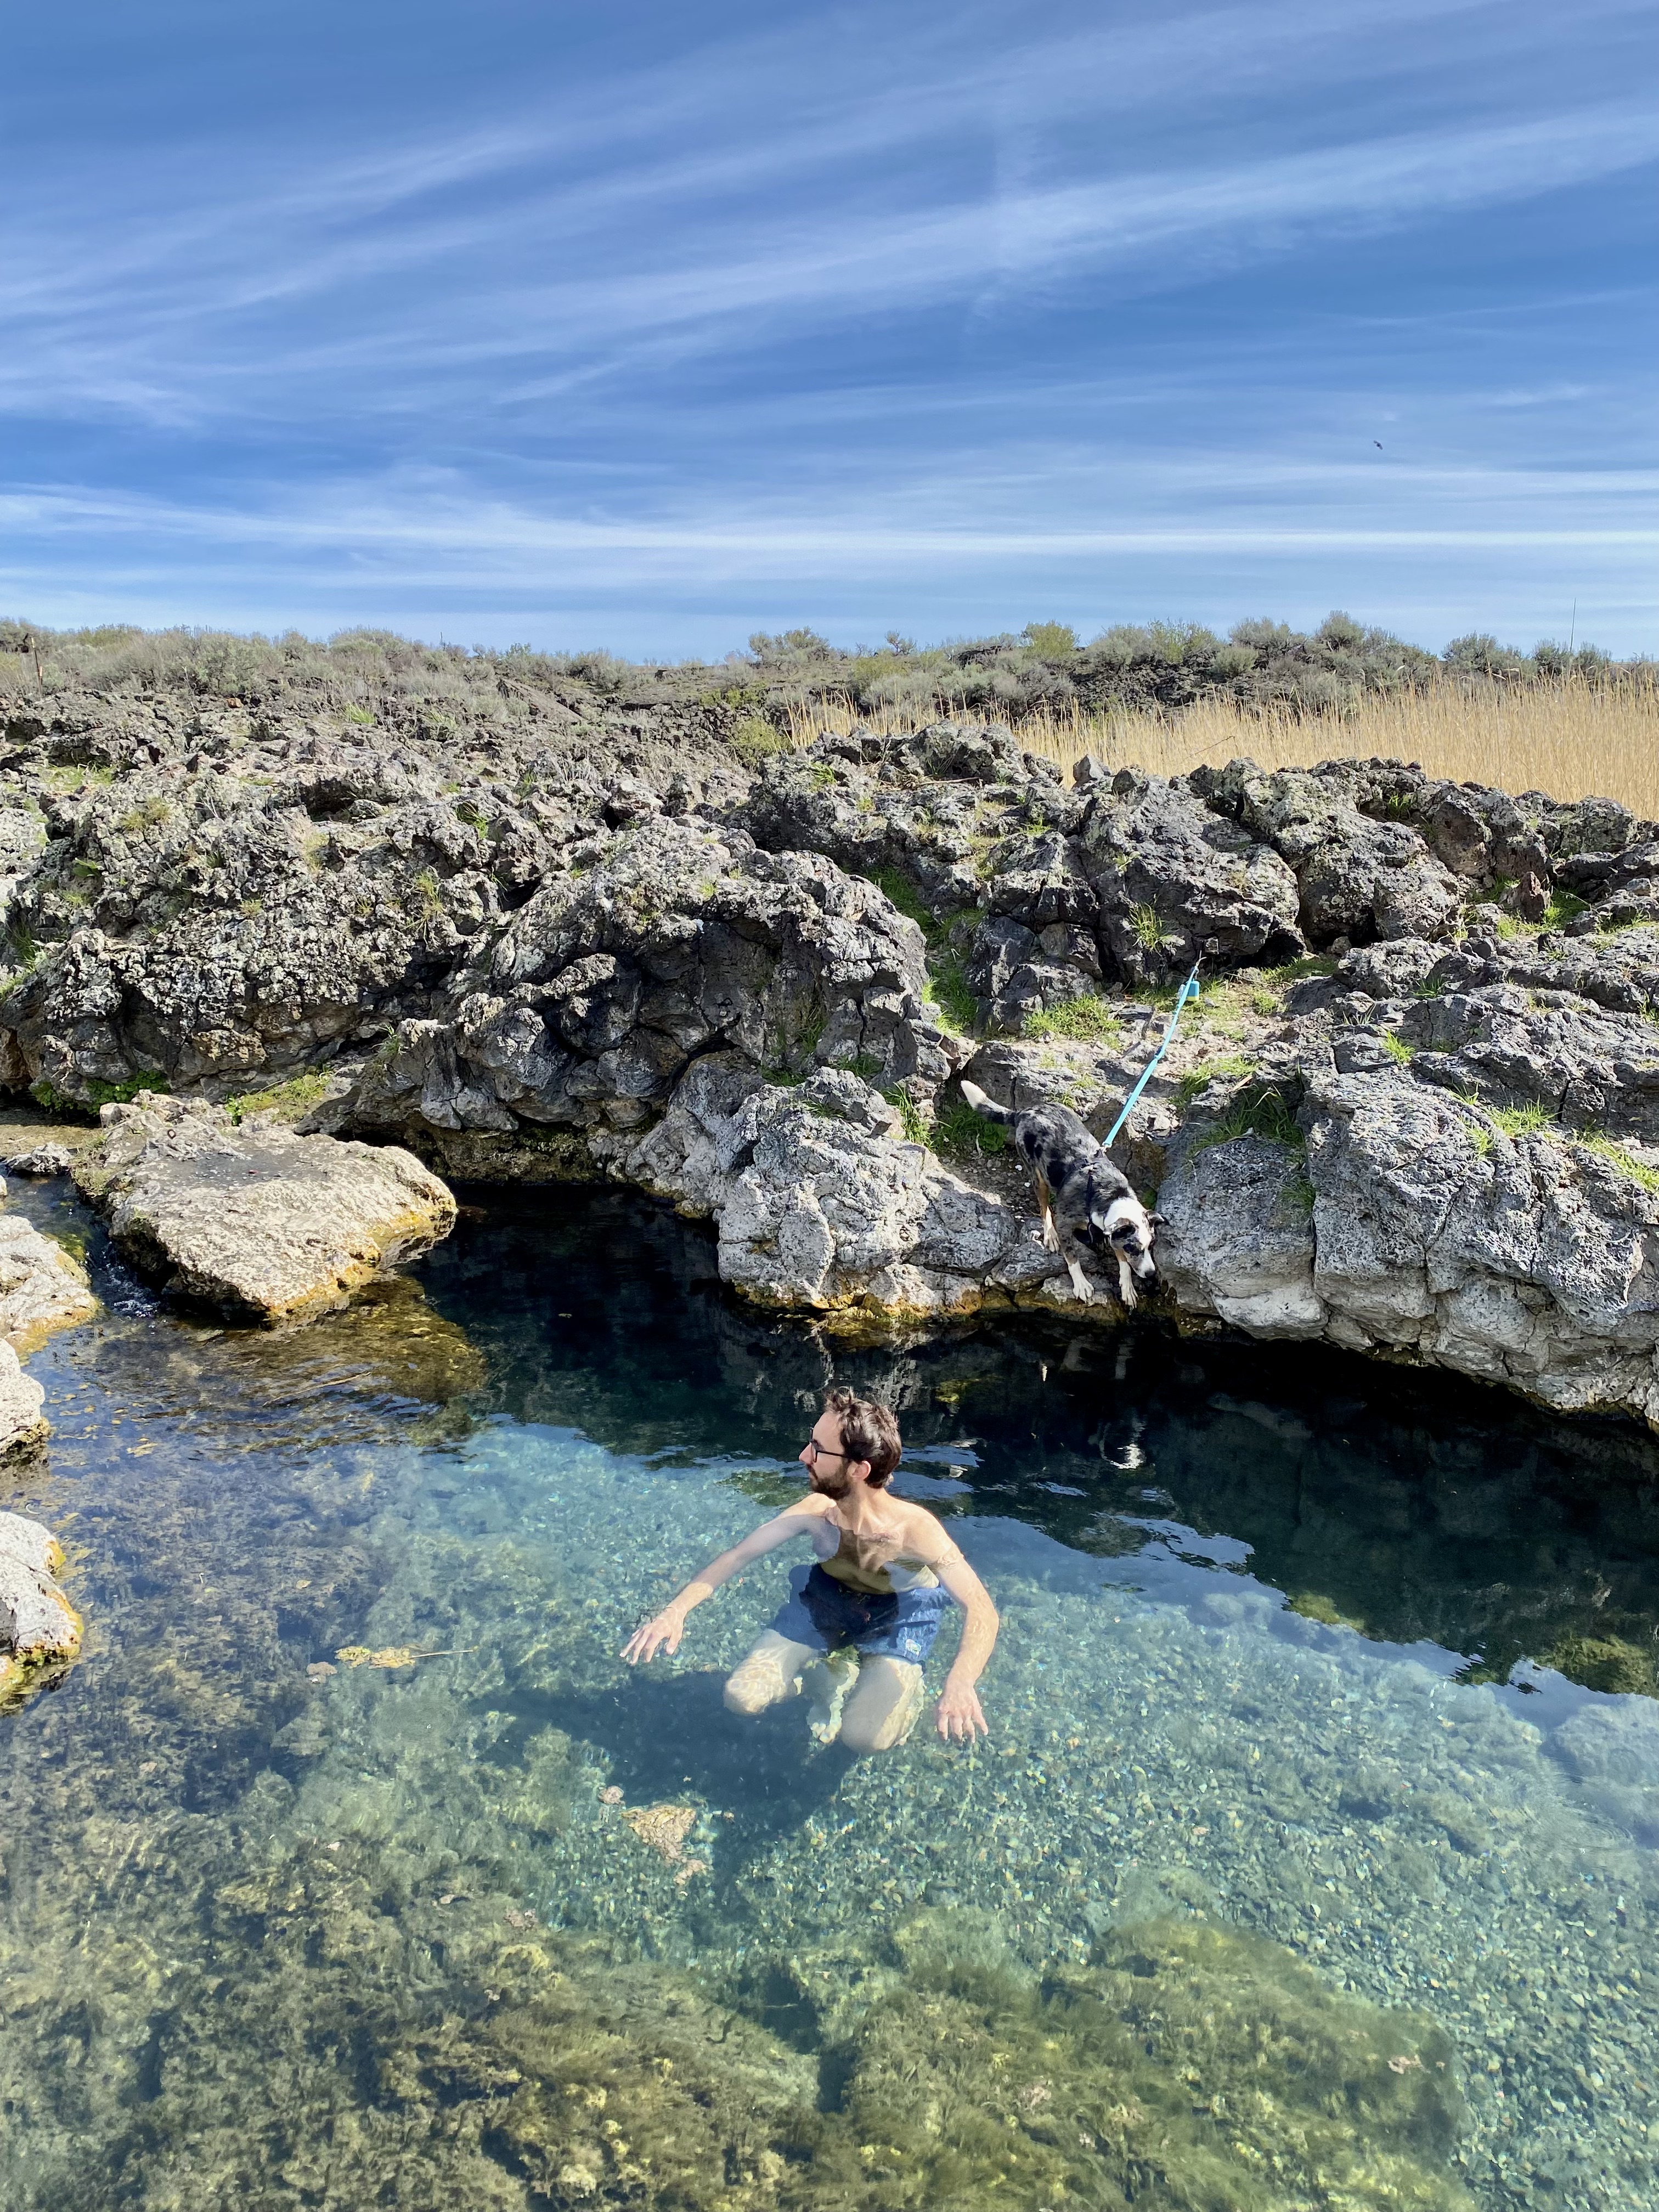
x=816, y=1451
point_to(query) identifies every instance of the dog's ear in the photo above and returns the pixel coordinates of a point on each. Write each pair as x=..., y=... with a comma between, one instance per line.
x=1157, y=1219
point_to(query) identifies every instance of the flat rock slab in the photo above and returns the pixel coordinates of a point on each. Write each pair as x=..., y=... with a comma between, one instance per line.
x=41, y=1287
x=23, y=1426
x=266, y=1225
x=38, y=1623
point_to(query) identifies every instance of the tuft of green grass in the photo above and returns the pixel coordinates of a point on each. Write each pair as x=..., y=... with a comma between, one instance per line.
x=1520, y=1121
x=947, y=991
x=1397, y=1047
x=958, y=1128
x=910, y=1116
x=898, y=890
x=1301, y=971
x=361, y=716
x=1261, y=1111
x=1086, y=1019
x=1610, y=1150
x=1565, y=907
x=1235, y=1065
x=1147, y=927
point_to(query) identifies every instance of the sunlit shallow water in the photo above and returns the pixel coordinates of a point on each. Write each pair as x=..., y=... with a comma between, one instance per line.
x=1298, y=1868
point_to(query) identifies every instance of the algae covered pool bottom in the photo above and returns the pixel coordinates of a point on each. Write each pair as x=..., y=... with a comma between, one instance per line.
x=1311, y=1861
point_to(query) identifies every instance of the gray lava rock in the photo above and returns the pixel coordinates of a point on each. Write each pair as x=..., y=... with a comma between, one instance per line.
x=1358, y=879
x=653, y=949
x=42, y=1289
x=264, y=1225
x=1163, y=862
x=1237, y=1239
x=819, y=1201
x=23, y=1427
x=44, y=1161
x=38, y=1623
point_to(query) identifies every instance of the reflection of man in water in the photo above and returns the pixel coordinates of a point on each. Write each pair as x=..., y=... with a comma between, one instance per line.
x=859, y=1623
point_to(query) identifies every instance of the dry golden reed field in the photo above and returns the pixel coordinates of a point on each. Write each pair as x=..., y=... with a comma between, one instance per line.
x=1569, y=740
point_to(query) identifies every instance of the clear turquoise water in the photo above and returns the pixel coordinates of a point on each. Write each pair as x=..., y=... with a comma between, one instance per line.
x=1287, y=1656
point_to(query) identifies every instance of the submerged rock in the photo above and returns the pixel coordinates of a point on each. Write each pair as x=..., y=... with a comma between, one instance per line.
x=264, y=1225
x=38, y=1623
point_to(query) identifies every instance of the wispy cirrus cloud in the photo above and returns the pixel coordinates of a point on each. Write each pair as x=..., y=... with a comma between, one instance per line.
x=732, y=313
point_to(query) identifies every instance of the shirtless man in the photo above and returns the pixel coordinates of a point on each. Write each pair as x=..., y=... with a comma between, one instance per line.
x=859, y=1624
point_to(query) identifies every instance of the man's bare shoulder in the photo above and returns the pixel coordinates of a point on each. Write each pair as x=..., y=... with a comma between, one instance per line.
x=924, y=1531
x=813, y=1507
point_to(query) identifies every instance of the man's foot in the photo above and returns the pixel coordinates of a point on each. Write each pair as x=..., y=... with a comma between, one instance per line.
x=827, y=1682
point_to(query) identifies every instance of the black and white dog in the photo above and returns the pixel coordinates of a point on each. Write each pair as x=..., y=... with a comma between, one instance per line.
x=1084, y=1199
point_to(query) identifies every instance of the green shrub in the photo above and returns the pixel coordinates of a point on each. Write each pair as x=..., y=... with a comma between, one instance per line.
x=1053, y=640
x=754, y=740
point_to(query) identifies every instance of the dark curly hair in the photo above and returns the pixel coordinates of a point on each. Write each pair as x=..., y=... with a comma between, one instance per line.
x=869, y=1431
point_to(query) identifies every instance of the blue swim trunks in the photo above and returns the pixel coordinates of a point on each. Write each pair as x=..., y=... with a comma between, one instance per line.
x=881, y=1623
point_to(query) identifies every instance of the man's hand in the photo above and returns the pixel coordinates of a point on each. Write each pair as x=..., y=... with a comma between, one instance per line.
x=958, y=1714
x=662, y=1633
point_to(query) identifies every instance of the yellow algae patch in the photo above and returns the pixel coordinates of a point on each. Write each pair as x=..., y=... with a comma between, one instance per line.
x=389, y=1655
x=664, y=1829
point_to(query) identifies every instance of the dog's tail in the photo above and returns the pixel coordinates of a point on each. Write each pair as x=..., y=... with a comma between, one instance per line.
x=981, y=1105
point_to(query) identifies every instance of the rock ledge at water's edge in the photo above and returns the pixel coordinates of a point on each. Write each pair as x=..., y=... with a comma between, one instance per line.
x=266, y=1225
x=38, y=1627
x=1416, y=1114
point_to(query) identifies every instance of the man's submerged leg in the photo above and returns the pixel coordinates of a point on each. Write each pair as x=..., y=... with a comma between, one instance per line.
x=828, y=1681
x=882, y=1712
x=770, y=1673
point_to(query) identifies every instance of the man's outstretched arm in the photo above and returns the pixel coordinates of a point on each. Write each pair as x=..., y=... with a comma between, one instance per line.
x=958, y=1712
x=663, y=1631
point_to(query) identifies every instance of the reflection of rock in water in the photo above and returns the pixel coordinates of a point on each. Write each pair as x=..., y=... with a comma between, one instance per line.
x=388, y=1343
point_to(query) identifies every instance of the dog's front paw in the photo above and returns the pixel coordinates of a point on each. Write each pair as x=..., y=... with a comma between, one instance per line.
x=1126, y=1288
x=1081, y=1285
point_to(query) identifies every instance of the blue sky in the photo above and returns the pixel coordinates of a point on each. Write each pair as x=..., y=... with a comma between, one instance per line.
x=647, y=326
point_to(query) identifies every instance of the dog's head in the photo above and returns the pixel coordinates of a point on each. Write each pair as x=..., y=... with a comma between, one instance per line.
x=1120, y=1228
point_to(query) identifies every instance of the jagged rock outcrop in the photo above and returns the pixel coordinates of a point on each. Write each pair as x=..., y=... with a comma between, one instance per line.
x=1417, y=1115
x=822, y=1203
x=1393, y=1218
x=263, y=1224
x=38, y=1627
x=653, y=947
